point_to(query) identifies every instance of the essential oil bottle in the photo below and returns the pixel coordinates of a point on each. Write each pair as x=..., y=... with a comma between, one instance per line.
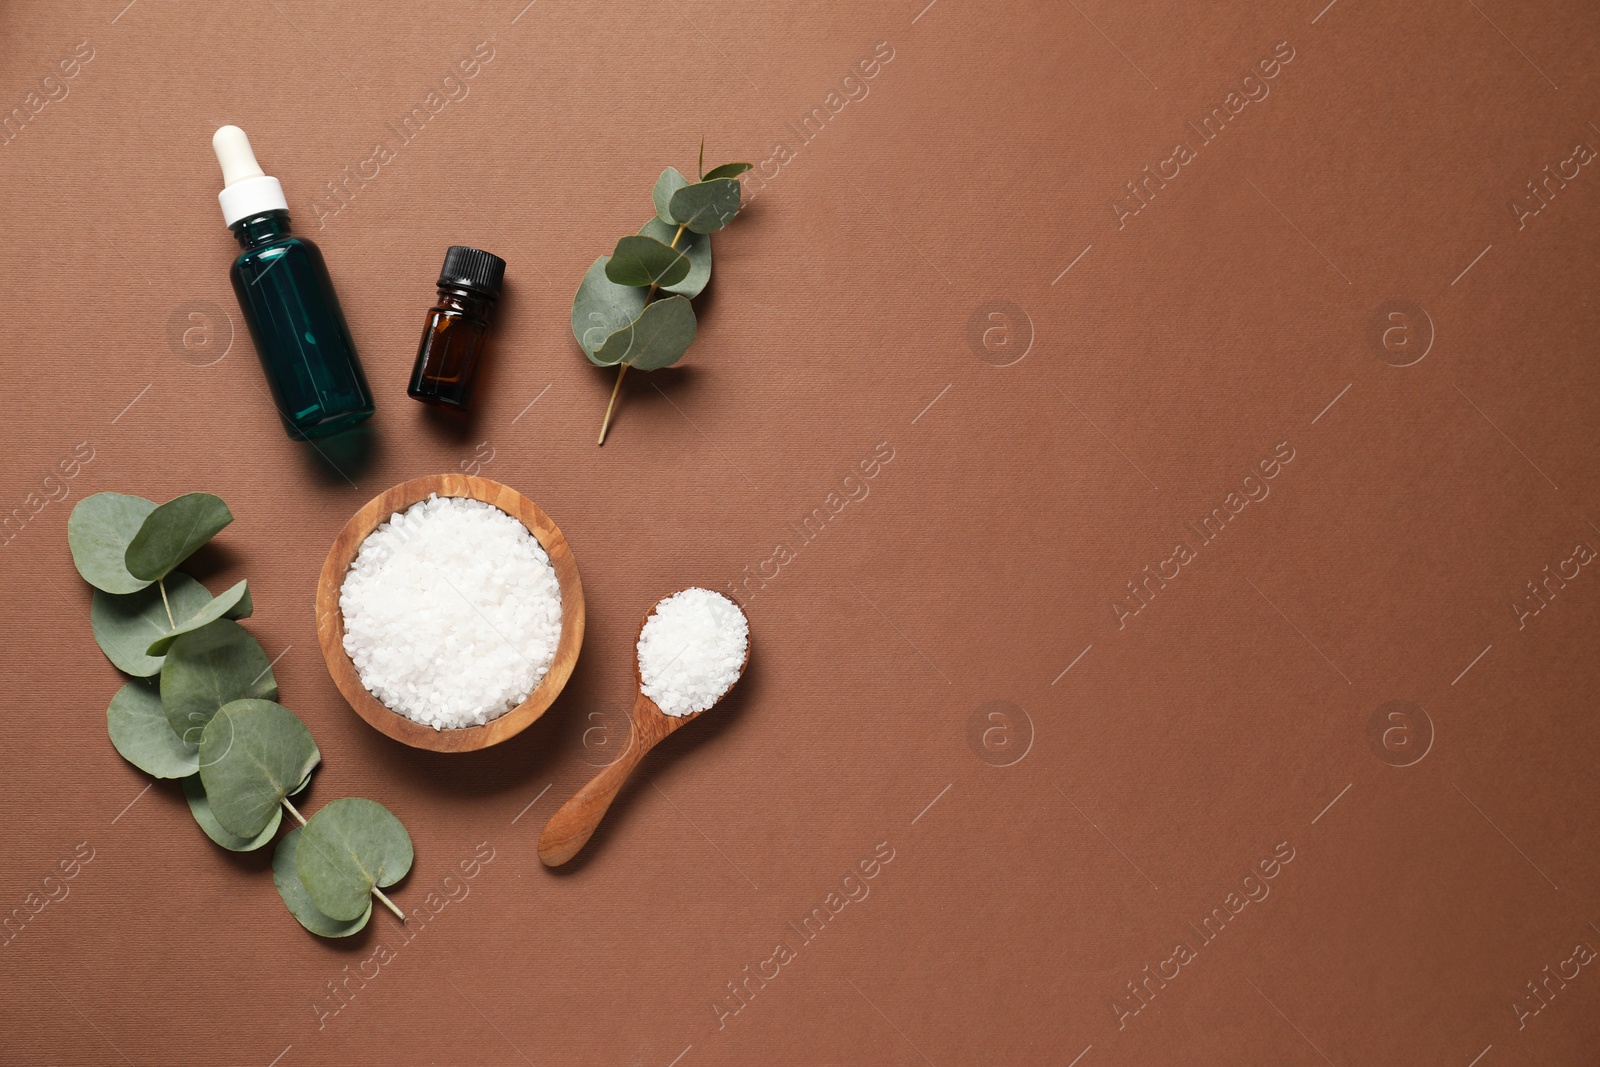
x=457, y=330
x=288, y=302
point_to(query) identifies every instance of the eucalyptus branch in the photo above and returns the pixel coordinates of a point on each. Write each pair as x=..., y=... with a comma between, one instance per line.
x=211, y=720
x=619, y=316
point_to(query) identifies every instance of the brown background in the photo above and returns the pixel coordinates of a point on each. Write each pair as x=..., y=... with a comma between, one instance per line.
x=1175, y=354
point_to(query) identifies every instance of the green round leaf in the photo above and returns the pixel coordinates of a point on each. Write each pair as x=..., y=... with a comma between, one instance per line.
x=657, y=338
x=669, y=182
x=231, y=604
x=173, y=531
x=602, y=307
x=242, y=608
x=142, y=735
x=98, y=534
x=348, y=847
x=697, y=246
x=125, y=626
x=706, y=207
x=286, y=876
x=209, y=667
x=195, y=793
x=727, y=170
x=252, y=753
x=639, y=260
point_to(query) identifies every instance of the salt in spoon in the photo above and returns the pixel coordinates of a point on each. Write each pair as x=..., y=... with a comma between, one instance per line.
x=570, y=828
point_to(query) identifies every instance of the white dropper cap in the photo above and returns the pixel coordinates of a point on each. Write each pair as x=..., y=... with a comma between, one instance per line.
x=246, y=190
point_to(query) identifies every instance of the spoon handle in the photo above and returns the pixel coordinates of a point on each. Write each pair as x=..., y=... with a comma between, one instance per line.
x=570, y=828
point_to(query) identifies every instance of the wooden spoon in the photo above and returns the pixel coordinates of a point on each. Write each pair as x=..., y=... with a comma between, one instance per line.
x=570, y=828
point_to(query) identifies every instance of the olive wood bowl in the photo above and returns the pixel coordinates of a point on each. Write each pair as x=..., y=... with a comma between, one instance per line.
x=330, y=619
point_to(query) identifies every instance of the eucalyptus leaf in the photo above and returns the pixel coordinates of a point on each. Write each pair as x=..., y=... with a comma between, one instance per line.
x=657, y=338
x=639, y=260
x=244, y=607
x=252, y=753
x=705, y=207
x=142, y=735
x=98, y=534
x=173, y=531
x=602, y=307
x=209, y=667
x=195, y=793
x=727, y=170
x=234, y=603
x=286, y=876
x=126, y=625
x=347, y=848
x=697, y=246
x=669, y=182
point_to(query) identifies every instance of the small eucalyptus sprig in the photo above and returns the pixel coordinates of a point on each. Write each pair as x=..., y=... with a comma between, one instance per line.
x=201, y=707
x=619, y=315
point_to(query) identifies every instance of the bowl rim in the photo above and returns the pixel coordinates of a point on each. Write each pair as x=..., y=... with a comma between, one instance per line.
x=330, y=618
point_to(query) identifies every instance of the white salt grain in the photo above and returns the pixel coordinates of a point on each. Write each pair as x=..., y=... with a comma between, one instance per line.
x=691, y=650
x=452, y=612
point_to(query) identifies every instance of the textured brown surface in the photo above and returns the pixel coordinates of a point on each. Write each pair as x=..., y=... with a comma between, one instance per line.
x=1238, y=713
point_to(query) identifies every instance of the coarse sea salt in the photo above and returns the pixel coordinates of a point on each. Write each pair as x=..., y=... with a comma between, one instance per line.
x=452, y=612
x=692, y=650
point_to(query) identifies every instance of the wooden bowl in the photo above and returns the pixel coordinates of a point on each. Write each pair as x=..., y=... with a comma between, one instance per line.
x=330, y=620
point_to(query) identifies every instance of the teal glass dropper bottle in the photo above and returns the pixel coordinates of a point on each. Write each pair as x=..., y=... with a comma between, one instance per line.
x=288, y=302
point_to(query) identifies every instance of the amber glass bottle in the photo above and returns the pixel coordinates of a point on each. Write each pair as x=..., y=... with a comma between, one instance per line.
x=457, y=331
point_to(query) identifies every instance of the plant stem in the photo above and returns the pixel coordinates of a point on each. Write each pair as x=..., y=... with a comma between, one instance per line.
x=398, y=914
x=301, y=819
x=622, y=368
x=162, y=583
